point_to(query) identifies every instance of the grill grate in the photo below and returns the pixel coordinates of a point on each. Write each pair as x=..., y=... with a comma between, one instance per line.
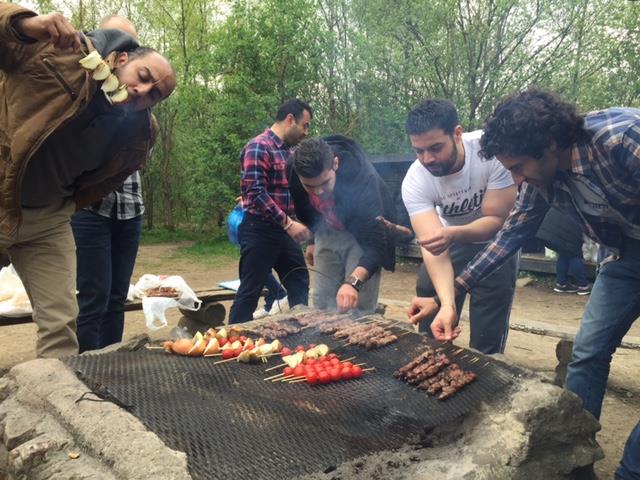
x=228, y=420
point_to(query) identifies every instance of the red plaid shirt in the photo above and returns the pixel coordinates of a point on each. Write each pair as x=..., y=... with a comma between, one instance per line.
x=327, y=208
x=264, y=184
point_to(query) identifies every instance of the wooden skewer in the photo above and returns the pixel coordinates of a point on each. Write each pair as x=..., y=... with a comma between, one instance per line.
x=359, y=364
x=348, y=359
x=148, y=347
x=368, y=369
x=293, y=378
x=299, y=380
x=225, y=361
x=274, y=376
x=277, y=366
x=405, y=333
x=213, y=355
x=283, y=379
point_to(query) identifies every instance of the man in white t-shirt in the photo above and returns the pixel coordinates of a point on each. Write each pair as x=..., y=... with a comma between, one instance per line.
x=457, y=201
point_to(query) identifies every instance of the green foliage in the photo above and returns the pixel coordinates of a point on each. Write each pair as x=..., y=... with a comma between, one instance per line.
x=362, y=64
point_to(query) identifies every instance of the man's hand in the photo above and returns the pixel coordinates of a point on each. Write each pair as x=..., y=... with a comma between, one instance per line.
x=347, y=298
x=308, y=254
x=53, y=28
x=420, y=308
x=438, y=241
x=299, y=232
x=444, y=326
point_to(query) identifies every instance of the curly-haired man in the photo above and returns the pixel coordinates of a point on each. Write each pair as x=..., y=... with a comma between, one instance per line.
x=587, y=166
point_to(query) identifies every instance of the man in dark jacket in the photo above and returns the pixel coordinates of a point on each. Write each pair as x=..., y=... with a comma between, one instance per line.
x=70, y=133
x=338, y=194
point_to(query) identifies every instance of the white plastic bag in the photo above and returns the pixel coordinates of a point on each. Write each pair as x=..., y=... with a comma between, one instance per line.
x=154, y=308
x=13, y=297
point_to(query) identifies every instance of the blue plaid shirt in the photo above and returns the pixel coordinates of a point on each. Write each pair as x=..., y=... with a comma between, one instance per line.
x=601, y=191
x=123, y=204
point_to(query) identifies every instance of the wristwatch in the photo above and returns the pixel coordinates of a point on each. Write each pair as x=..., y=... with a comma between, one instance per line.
x=354, y=281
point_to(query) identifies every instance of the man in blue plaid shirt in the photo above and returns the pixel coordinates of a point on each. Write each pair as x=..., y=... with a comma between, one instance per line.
x=587, y=166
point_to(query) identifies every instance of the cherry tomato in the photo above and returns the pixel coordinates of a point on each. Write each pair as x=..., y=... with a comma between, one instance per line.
x=356, y=372
x=287, y=371
x=324, y=377
x=332, y=355
x=233, y=339
x=310, y=361
x=242, y=338
x=335, y=374
x=247, y=347
x=237, y=351
x=312, y=378
x=223, y=342
x=299, y=348
x=347, y=364
x=298, y=371
x=346, y=374
x=311, y=345
x=335, y=361
x=284, y=352
x=227, y=354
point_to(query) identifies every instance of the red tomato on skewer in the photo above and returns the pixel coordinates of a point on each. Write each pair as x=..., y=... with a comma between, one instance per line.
x=324, y=377
x=335, y=374
x=227, y=354
x=287, y=371
x=285, y=351
x=356, y=371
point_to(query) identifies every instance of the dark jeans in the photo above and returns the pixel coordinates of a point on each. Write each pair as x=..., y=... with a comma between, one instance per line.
x=265, y=246
x=106, y=249
x=566, y=263
x=275, y=291
x=629, y=468
x=491, y=299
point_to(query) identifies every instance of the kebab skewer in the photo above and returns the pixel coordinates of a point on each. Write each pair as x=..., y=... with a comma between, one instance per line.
x=398, y=230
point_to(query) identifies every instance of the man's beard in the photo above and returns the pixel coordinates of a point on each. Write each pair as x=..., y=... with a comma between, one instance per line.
x=444, y=169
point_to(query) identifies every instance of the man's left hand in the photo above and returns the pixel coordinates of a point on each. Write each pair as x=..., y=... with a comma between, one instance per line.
x=347, y=298
x=439, y=241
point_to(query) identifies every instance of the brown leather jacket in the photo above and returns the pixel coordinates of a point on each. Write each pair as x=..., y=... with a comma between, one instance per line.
x=41, y=89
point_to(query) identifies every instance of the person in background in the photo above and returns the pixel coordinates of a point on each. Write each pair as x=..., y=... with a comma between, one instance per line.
x=65, y=144
x=562, y=234
x=457, y=202
x=586, y=166
x=269, y=236
x=107, y=235
x=338, y=194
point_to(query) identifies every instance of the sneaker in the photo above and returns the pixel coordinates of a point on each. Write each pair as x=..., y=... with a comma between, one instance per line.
x=260, y=313
x=566, y=288
x=585, y=289
x=281, y=305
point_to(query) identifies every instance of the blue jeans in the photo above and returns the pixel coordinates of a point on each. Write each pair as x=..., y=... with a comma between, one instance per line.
x=265, y=246
x=629, y=468
x=567, y=262
x=275, y=291
x=612, y=308
x=106, y=250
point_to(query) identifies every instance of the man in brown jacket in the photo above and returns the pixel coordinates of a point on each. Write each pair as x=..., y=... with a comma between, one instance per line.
x=65, y=143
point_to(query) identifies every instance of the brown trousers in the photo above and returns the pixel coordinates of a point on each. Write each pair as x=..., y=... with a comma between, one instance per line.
x=43, y=253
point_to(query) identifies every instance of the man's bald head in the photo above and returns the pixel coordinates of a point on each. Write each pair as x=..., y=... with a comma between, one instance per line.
x=118, y=22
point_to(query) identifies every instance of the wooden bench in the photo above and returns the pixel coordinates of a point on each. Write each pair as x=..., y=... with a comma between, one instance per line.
x=211, y=313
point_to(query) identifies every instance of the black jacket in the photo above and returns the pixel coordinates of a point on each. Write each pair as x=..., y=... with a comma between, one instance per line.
x=360, y=196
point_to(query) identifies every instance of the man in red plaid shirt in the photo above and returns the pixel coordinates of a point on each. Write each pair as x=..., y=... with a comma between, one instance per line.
x=269, y=236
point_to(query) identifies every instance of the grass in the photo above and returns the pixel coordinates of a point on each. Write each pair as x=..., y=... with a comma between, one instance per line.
x=206, y=247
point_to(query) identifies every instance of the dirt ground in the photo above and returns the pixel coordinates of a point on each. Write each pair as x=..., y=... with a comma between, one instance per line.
x=533, y=303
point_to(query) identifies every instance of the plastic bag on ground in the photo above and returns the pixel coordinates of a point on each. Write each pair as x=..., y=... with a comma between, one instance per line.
x=154, y=307
x=14, y=301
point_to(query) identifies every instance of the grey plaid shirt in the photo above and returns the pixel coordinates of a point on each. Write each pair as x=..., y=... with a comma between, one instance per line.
x=125, y=202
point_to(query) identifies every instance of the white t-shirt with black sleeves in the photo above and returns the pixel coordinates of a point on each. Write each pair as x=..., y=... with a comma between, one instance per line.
x=458, y=197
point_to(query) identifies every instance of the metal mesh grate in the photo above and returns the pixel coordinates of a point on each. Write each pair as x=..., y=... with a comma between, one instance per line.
x=230, y=421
